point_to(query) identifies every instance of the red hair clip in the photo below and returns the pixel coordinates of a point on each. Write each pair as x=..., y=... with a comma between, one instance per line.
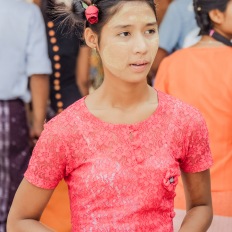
x=91, y=14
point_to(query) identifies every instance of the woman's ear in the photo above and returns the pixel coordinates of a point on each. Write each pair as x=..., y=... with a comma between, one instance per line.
x=91, y=38
x=216, y=16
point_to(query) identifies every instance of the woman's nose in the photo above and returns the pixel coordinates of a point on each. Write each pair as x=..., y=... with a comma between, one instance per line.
x=140, y=44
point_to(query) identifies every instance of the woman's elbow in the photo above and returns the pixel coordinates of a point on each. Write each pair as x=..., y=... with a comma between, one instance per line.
x=11, y=222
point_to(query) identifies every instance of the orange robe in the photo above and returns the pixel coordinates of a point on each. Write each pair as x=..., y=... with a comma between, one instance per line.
x=57, y=213
x=202, y=77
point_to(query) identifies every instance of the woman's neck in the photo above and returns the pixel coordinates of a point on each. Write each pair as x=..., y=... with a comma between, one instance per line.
x=208, y=41
x=221, y=38
x=221, y=32
x=124, y=96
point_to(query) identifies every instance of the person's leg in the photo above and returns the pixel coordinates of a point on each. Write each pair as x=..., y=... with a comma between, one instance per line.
x=4, y=163
x=14, y=153
x=20, y=149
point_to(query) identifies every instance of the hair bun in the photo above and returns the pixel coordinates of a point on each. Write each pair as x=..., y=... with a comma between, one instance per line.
x=72, y=12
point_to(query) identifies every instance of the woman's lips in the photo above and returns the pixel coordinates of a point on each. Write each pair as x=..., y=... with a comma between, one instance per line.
x=139, y=67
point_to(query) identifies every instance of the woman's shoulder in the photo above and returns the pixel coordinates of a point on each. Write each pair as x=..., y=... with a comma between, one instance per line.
x=178, y=108
x=68, y=119
x=199, y=52
x=177, y=59
x=179, y=54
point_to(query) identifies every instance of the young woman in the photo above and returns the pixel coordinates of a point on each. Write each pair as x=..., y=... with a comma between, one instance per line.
x=121, y=148
x=201, y=76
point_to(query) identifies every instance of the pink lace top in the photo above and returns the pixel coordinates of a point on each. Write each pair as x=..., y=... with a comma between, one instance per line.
x=121, y=177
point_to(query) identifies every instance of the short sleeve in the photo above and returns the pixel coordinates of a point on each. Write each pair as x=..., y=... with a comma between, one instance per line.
x=47, y=165
x=197, y=154
x=170, y=29
x=37, y=59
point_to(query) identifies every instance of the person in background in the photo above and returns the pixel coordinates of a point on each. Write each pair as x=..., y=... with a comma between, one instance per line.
x=70, y=59
x=69, y=82
x=161, y=6
x=23, y=62
x=201, y=76
x=177, y=30
x=121, y=148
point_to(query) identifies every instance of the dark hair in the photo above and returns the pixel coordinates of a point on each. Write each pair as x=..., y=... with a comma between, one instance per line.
x=56, y=12
x=53, y=11
x=47, y=8
x=202, y=9
x=107, y=8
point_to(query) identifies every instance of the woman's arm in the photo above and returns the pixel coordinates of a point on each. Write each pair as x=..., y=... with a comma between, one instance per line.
x=82, y=72
x=27, y=207
x=198, y=202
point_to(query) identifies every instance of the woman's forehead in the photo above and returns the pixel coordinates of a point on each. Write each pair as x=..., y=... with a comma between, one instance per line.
x=133, y=11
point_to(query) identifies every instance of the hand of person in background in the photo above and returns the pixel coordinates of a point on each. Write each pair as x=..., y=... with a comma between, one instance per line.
x=35, y=131
x=39, y=86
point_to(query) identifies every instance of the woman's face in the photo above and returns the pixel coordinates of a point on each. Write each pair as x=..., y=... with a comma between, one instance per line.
x=129, y=42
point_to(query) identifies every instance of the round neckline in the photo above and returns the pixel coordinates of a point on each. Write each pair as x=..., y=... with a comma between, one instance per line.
x=126, y=125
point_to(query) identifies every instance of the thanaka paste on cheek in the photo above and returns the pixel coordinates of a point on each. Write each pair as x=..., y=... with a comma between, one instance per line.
x=115, y=56
x=154, y=47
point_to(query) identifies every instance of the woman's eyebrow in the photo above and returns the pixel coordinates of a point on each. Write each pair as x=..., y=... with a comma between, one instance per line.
x=129, y=25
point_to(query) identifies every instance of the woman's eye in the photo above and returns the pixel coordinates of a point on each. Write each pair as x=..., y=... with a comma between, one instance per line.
x=152, y=31
x=124, y=34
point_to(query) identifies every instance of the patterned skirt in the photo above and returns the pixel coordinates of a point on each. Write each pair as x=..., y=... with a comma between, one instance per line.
x=15, y=153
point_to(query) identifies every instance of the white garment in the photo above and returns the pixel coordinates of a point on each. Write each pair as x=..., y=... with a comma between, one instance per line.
x=23, y=48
